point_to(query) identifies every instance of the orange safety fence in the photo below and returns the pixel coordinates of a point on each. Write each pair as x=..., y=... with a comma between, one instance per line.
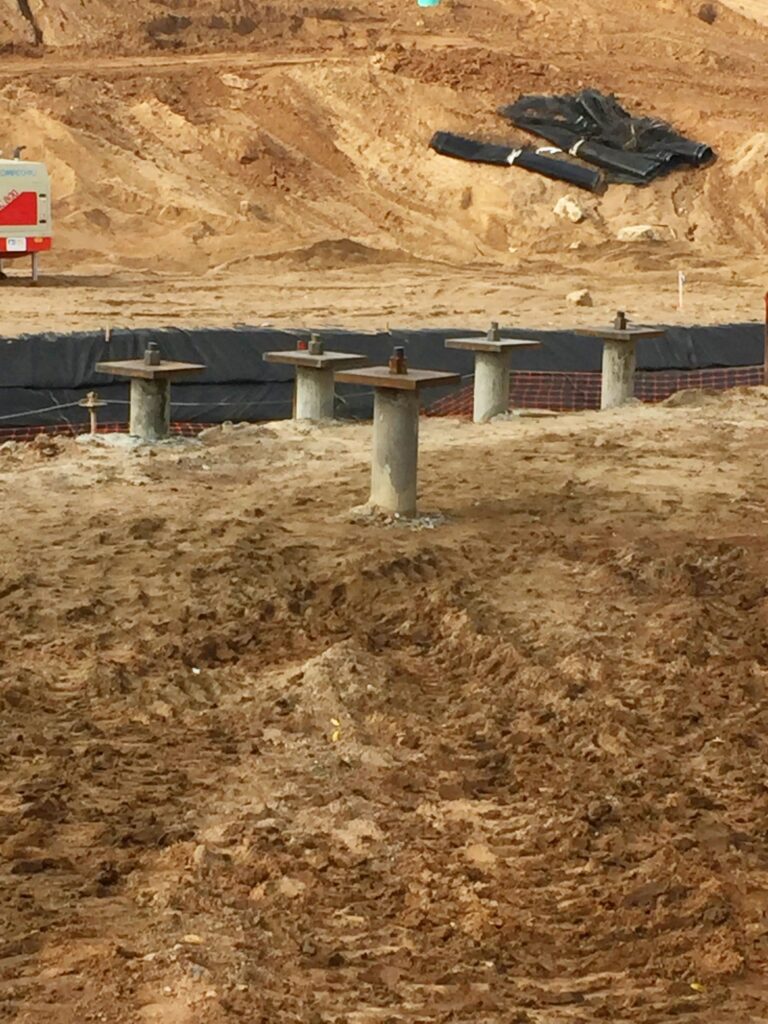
x=74, y=429
x=572, y=392
x=529, y=389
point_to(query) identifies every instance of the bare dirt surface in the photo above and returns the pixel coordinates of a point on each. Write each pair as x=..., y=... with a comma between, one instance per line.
x=215, y=163
x=754, y=9
x=374, y=295
x=264, y=760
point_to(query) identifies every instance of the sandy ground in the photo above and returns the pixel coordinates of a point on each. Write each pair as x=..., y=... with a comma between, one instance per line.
x=754, y=9
x=390, y=295
x=266, y=761
x=223, y=162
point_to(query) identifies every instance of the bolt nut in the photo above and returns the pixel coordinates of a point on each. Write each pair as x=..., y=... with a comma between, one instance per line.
x=152, y=354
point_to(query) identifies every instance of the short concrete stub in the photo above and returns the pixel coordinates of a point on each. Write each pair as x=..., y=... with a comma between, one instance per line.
x=492, y=367
x=491, y=393
x=150, y=409
x=619, y=358
x=394, y=465
x=150, y=377
x=314, y=394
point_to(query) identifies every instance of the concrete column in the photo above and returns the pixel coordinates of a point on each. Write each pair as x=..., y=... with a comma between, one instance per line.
x=395, y=451
x=150, y=409
x=618, y=383
x=314, y=394
x=491, y=385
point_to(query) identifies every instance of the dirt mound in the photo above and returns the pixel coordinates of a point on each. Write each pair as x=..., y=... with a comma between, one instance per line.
x=342, y=678
x=695, y=397
x=338, y=252
x=734, y=398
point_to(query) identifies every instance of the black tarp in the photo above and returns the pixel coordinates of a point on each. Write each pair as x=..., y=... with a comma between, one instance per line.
x=597, y=129
x=461, y=148
x=40, y=371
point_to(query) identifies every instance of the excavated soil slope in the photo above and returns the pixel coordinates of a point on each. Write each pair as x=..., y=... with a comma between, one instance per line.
x=237, y=134
x=264, y=760
x=753, y=9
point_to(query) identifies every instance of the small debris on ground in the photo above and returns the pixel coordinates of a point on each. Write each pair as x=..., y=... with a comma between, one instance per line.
x=368, y=515
x=569, y=209
x=639, y=233
x=582, y=297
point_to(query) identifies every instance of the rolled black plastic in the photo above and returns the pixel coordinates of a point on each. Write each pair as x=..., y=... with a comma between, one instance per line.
x=461, y=148
x=633, y=167
x=560, y=170
x=631, y=149
x=448, y=144
x=697, y=153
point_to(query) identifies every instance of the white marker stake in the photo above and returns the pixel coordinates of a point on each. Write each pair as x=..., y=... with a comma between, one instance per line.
x=681, y=289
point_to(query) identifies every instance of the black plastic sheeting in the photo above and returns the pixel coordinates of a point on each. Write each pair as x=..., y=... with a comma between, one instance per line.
x=597, y=129
x=41, y=371
x=475, y=151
